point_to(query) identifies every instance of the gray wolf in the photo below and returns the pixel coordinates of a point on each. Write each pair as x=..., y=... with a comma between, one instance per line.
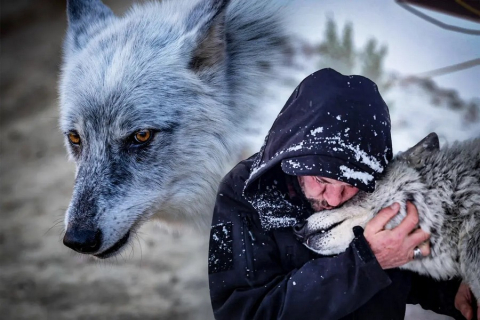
x=444, y=184
x=152, y=107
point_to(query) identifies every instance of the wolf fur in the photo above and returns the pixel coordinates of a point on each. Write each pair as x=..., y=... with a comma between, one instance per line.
x=444, y=184
x=192, y=72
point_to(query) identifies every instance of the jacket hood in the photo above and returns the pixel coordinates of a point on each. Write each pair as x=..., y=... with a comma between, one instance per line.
x=333, y=126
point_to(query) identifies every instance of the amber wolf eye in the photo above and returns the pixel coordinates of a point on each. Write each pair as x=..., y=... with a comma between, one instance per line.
x=74, y=138
x=142, y=136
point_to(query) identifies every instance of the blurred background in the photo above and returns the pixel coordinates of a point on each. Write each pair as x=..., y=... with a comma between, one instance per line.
x=163, y=274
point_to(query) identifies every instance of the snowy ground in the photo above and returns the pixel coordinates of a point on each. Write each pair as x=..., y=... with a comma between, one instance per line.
x=163, y=276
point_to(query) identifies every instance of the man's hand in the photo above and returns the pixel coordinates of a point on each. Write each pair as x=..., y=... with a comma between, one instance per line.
x=464, y=301
x=394, y=247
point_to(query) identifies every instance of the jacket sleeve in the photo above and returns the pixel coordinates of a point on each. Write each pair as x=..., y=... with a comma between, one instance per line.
x=323, y=288
x=434, y=295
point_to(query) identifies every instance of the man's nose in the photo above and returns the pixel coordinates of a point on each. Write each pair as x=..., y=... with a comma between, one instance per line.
x=333, y=195
x=83, y=240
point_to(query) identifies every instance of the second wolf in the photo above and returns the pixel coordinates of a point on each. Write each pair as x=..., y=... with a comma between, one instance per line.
x=444, y=184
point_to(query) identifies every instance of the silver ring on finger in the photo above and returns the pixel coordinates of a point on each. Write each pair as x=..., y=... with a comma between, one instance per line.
x=417, y=254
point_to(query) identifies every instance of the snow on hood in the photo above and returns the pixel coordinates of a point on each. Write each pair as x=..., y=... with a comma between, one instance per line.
x=332, y=125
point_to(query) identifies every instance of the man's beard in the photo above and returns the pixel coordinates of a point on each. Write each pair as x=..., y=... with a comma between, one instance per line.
x=319, y=205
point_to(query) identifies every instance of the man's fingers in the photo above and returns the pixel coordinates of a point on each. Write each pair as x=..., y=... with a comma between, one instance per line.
x=419, y=238
x=463, y=300
x=381, y=219
x=410, y=221
x=425, y=248
x=466, y=311
x=464, y=307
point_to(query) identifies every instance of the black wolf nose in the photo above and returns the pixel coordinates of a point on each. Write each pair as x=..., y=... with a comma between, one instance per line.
x=299, y=229
x=82, y=240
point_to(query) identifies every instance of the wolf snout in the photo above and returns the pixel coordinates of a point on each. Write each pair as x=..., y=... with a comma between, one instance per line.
x=300, y=229
x=83, y=240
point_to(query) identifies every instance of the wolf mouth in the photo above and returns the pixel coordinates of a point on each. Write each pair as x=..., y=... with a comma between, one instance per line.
x=320, y=233
x=113, y=249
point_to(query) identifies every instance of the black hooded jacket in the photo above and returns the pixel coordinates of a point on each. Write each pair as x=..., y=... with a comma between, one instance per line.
x=334, y=126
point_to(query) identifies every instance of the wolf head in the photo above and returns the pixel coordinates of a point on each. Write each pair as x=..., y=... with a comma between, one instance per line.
x=330, y=232
x=143, y=110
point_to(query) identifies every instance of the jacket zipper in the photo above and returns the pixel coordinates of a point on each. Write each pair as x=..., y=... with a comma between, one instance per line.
x=249, y=240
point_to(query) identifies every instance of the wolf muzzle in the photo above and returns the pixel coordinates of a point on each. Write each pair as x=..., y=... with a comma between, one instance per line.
x=83, y=240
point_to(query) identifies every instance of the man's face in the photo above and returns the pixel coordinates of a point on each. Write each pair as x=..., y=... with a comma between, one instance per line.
x=324, y=193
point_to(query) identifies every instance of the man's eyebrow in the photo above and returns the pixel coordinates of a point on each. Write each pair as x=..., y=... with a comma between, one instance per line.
x=321, y=180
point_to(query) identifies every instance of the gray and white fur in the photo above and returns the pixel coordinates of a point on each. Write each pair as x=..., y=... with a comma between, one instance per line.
x=444, y=185
x=191, y=72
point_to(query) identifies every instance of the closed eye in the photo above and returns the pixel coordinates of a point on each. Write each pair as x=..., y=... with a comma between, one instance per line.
x=322, y=181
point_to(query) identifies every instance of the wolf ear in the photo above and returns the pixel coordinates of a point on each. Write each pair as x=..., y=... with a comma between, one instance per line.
x=415, y=156
x=85, y=18
x=207, y=22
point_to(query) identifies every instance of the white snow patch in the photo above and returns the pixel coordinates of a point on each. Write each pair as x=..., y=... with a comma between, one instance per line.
x=294, y=164
x=361, y=155
x=296, y=147
x=357, y=175
x=315, y=131
x=256, y=169
x=279, y=221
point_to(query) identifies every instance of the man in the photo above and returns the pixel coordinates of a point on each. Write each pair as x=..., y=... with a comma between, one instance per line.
x=331, y=139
